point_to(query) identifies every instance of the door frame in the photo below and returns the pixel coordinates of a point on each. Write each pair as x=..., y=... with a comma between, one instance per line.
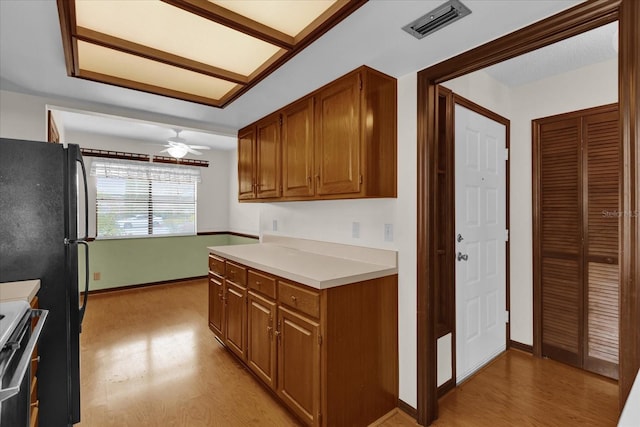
x=566, y=24
x=485, y=112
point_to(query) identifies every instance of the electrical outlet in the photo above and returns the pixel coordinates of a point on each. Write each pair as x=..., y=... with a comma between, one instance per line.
x=274, y=225
x=355, y=230
x=96, y=276
x=388, y=232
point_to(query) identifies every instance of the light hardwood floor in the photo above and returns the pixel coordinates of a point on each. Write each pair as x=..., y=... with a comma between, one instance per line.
x=149, y=359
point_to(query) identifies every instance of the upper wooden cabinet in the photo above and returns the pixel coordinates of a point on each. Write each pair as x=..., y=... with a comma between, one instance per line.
x=246, y=163
x=268, y=172
x=337, y=142
x=297, y=149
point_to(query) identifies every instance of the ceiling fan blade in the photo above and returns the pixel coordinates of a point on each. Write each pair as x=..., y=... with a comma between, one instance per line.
x=192, y=151
x=199, y=147
x=166, y=150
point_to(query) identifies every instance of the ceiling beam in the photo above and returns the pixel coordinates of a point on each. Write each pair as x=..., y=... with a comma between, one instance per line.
x=230, y=19
x=126, y=46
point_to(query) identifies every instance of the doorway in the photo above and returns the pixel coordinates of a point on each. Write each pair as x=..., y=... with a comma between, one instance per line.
x=574, y=21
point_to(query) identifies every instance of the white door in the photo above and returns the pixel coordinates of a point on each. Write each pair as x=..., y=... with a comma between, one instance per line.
x=480, y=185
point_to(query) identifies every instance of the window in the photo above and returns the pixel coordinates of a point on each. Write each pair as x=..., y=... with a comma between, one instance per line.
x=144, y=199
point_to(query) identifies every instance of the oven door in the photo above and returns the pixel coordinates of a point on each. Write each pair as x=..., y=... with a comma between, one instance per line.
x=15, y=361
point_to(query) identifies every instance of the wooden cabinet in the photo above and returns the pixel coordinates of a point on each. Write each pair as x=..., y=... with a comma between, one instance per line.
x=246, y=163
x=299, y=342
x=259, y=159
x=235, y=318
x=337, y=142
x=216, y=297
x=261, y=344
x=297, y=149
x=268, y=174
x=338, y=127
x=329, y=355
x=228, y=304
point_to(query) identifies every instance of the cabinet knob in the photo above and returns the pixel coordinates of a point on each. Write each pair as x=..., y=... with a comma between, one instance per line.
x=258, y=283
x=293, y=298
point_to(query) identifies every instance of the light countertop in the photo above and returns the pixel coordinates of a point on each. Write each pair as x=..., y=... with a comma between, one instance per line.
x=308, y=262
x=24, y=290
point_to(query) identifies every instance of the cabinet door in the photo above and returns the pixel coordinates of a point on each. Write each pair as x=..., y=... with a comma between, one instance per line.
x=216, y=306
x=261, y=347
x=297, y=149
x=246, y=163
x=338, y=137
x=268, y=152
x=299, y=364
x=235, y=316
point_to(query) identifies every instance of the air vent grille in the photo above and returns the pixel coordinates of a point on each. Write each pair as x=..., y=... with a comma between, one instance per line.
x=438, y=18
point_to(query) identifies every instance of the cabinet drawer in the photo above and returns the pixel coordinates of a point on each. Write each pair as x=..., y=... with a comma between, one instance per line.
x=304, y=300
x=262, y=283
x=216, y=265
x=237, y=274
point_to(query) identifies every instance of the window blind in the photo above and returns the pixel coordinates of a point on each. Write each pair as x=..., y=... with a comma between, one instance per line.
x=139, y=199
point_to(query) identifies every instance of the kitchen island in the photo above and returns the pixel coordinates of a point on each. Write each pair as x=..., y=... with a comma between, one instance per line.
x=315, y=322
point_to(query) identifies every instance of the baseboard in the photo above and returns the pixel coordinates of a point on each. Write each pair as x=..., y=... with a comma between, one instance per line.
x=519, y=346
x=446, y=387
x=142, y=285
x=407, y=409
x=233, y=233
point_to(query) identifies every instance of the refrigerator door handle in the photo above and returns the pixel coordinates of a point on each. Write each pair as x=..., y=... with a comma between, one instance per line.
x=86, y=280
x=86, y=199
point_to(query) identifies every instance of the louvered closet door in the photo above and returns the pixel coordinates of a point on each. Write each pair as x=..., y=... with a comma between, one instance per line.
x=579, y=167
x=561, y=241
x=601, y=161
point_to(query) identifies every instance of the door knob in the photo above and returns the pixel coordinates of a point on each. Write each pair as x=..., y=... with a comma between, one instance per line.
x=459, y=238
x=462, y=257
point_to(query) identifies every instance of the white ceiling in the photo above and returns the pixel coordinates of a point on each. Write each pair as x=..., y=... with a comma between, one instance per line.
x=32, y=62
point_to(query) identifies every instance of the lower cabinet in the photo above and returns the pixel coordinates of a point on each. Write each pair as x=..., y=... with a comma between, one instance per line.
x=261, y=342
x=216, y=304
x=299, y=364
x=329, y=355
x=235, y=319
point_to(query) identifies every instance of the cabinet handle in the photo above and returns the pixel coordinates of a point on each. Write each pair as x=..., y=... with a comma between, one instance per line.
x=277, y=334
x=293, y=298
x=270, y=331
x=258, y=283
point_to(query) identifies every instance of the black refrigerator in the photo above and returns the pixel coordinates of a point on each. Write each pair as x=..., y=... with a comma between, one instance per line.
x=39, y=239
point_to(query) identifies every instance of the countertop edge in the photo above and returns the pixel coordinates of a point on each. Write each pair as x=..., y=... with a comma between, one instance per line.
x=14, y=291
x=384, y=271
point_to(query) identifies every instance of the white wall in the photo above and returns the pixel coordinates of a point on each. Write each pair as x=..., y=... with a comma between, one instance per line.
x=22, y=116
x=213, y=209
x=332, y=220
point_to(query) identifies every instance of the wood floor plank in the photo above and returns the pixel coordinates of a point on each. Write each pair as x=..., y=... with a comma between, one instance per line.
x=149, y=359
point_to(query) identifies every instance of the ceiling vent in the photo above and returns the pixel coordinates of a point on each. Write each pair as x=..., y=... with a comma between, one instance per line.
x=438, y=18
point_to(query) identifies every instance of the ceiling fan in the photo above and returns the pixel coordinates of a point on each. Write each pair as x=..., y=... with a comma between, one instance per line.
x=178, y=148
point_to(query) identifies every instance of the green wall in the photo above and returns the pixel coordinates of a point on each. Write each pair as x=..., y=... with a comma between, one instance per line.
x=125, y=262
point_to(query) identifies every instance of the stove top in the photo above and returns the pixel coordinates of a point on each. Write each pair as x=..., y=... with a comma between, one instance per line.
x=10, y=315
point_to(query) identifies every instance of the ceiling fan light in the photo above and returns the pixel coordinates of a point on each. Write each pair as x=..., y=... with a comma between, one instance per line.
x=177, y=152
